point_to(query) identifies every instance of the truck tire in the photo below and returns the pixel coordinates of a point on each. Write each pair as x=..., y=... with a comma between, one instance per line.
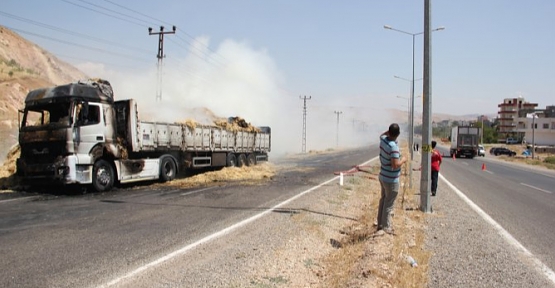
x=103, y=176
x=168, y=169
x=241, y=160
x=251, y=159
x=231, y=160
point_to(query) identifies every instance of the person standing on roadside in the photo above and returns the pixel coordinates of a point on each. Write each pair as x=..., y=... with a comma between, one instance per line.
x=390, y=170
x=436, y=162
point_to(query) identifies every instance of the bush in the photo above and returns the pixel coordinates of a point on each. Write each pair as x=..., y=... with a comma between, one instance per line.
x=12, y=63
x=550, y=160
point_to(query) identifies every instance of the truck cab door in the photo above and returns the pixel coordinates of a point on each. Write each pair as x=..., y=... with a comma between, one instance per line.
x=88, y=127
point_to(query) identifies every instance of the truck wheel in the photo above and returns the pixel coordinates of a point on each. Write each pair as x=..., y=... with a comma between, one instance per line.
x=103, y=176
x=168, y=169
x=241, y=160
x=231, y=160
x=251, y=160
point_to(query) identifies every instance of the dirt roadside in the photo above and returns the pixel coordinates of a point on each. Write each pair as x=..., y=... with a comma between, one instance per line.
x=343, y=250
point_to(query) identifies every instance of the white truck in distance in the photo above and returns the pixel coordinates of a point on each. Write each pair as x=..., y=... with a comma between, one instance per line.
x=464, y=141
x=77, y=134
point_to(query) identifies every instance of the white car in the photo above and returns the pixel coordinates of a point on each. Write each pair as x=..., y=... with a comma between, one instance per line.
x=481, y=151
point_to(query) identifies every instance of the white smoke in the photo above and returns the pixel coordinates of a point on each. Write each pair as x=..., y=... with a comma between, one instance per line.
x=238, y=80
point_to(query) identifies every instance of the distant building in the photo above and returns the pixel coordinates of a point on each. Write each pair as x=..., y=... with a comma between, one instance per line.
x=541, y=129
x=508, y=115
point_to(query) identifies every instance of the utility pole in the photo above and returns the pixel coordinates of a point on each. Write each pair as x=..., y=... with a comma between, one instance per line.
x=425, y=176
x=160, y=56
x=304, y=121
x=337, y=132
x=533, y=134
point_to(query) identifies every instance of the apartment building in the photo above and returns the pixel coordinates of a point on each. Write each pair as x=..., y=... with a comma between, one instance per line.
x=508, y=116
x=539, y=129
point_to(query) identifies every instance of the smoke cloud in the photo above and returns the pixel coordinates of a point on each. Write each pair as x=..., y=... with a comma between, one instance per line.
x=238, y=80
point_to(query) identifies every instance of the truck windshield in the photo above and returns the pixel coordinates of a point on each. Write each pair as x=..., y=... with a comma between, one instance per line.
x=50, y=114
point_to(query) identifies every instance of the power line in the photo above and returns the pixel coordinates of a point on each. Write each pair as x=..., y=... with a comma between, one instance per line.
x=113, y=11
x=164, y=22
x=77, y=45
x=139, y=13
x=201, y=51
x=106, y=14
x=69, y=32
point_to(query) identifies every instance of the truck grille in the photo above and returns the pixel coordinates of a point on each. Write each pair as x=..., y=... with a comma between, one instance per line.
x=42, y=152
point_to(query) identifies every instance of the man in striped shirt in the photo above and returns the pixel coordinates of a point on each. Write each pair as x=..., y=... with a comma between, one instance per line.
x=391, y=162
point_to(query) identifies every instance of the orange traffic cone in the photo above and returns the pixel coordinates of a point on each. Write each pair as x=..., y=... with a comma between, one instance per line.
x=483, y=166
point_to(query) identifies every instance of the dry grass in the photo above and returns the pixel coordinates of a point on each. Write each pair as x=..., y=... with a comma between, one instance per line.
x=7, y=170
x=538, y=159
x=246, y=174
x=367, y=260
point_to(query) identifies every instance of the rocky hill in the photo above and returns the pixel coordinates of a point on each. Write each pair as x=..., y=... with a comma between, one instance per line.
x=24, y=66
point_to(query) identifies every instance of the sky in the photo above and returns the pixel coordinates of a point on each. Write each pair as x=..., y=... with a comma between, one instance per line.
x=255, y=59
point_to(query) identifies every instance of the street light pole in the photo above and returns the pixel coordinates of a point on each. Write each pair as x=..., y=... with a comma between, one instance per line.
x=411, y=114
x=410, y=132
x=411, y=138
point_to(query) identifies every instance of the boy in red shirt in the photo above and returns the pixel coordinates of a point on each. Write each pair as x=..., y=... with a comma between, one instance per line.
x=436, y=162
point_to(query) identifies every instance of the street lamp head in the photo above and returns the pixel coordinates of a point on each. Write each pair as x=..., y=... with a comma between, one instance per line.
x=387, y=27
x=439, y=28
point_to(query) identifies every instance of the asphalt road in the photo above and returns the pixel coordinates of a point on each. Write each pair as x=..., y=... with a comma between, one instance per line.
x=89, y=240
x=520, y=198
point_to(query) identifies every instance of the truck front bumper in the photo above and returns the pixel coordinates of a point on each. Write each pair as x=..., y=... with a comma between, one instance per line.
x=63, y=171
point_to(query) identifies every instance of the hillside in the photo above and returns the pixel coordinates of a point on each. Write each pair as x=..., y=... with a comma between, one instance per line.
x=24, y=66
x=401, y=116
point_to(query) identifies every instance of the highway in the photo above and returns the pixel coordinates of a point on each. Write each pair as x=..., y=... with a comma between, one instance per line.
x=520, y=198
x=94, y=239
x=90, y=240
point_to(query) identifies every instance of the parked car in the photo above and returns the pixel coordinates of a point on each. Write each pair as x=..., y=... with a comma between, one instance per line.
x=492, y=150
x=504, y=151
x=511, y=141
x=481, y=151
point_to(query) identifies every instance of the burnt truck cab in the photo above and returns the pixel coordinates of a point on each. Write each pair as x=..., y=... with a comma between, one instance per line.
x=64, y=129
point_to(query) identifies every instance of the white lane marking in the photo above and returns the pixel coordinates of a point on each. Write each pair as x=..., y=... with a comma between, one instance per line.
x=538, y=265
x=489, y=172
x=196, y=191
x=465, y=163
x=218, y=234
x=534, y=187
